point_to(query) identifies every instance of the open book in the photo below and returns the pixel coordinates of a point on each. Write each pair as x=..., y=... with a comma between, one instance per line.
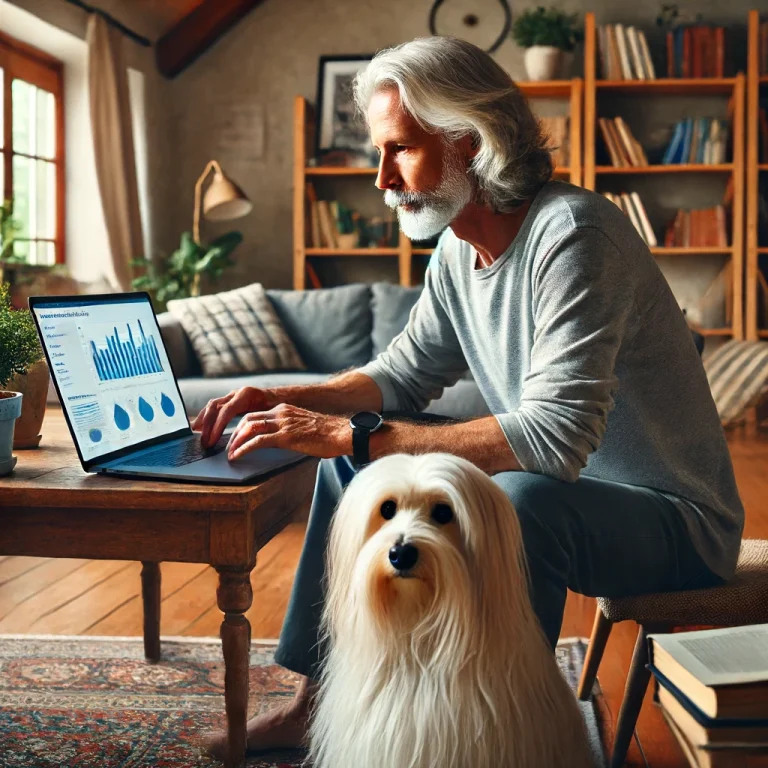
x=724, y=672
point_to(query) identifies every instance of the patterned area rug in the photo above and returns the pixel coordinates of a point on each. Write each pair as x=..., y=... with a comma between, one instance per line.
x=83, y=702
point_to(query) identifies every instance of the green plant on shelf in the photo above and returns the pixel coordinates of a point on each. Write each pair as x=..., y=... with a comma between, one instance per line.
x=547, y=26
x=184, y=271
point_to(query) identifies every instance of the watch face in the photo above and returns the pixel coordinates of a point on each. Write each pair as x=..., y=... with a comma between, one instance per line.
x=366, y=420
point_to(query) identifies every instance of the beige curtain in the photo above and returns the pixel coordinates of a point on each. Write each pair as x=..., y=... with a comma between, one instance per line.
x=113, y=146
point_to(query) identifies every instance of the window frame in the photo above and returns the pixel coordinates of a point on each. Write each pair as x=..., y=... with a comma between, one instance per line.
x=24, y=62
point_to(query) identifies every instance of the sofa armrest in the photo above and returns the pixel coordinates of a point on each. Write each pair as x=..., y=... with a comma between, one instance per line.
x=180, y=352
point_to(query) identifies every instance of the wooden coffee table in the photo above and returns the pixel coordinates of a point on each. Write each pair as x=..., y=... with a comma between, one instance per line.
x=49, y=507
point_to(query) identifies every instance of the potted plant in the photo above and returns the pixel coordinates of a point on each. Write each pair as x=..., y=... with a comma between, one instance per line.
x=23, y=371
x=184, y=270
x=545, y=33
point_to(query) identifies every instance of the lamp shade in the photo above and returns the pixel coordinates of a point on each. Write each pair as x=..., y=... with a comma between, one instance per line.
x=224, y=200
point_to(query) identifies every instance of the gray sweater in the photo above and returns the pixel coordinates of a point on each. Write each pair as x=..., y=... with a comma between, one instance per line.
x=584, y=357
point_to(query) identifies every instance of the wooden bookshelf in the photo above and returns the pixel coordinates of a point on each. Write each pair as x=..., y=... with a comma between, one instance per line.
x=660, y=88
x=303, y=136
x=755, y=83
x=671, y=168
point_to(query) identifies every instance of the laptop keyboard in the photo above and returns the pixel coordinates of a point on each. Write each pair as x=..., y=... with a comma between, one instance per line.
x=179, y=454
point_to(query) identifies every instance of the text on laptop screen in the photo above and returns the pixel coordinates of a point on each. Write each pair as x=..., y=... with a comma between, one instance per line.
x=112, y=371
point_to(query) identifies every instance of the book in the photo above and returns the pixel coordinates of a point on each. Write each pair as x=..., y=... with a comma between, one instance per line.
x=636, y=55
x=646, y=54
x=674, y=145
x=621, y=43
x=648, y=233
x=724, y=672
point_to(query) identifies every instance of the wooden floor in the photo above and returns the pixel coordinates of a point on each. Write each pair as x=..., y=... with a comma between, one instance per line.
x=93, y=597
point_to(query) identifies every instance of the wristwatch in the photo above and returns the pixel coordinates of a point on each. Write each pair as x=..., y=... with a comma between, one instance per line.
x=363, y=424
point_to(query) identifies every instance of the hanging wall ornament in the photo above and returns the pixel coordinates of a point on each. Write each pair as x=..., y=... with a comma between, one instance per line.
x=472, y=20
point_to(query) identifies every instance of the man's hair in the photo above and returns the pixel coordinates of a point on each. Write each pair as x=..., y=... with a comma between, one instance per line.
x=453, y=87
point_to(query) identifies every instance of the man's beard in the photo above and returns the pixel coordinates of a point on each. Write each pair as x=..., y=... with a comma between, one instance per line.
x=433, y=211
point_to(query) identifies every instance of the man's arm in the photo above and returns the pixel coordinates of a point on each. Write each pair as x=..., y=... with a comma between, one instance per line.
x=348, y=392
x=481, y=441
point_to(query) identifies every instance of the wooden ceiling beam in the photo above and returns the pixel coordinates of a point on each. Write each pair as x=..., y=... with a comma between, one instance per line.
x=197, y=32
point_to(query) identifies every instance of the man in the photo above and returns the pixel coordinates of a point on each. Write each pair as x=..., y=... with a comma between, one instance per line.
x=548, y=295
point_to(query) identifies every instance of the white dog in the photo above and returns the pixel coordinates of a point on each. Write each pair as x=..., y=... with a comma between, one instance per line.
x=435, y=658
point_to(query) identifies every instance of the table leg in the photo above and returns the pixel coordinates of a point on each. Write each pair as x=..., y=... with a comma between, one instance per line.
x=150, y=593
x=234, y=596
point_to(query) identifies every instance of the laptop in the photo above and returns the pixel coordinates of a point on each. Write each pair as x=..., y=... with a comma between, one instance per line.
x=121, y=399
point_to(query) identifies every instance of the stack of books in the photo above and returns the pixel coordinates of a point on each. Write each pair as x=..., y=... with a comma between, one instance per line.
x=696, y=51
x=763, y=48
x=713, y=692
x=334, y=225
x=623, y=148
x=556, y=128
x=624, y=53
x=698, y=228
x=699, y=140
x=633, y=207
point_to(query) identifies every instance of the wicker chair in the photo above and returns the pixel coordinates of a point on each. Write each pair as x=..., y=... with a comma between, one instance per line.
x=743, y=600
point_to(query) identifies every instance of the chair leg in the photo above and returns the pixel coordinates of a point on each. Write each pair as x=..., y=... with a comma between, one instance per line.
x=634, y=693
x=601, y=630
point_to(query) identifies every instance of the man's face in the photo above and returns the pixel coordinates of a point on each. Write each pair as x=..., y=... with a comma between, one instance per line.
x=424, y=178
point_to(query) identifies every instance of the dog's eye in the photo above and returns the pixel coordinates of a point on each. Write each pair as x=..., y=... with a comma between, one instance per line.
x=388, y=509
x=442, y=514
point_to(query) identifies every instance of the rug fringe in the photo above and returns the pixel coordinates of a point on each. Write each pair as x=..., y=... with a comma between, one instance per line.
x=133, y=638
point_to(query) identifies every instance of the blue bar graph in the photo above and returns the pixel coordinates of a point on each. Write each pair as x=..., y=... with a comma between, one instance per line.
x=118, y=359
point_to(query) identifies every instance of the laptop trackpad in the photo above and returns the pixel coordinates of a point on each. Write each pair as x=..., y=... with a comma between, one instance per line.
x=251, y=465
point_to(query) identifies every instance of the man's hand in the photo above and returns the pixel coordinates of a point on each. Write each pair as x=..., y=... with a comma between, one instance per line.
x=288, y=426
x=213, y=419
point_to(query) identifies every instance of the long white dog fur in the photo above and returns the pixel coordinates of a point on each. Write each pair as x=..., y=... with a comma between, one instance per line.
x=448, y=666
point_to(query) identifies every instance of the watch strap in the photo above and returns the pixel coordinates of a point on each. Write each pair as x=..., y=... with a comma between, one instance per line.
x=360, y=447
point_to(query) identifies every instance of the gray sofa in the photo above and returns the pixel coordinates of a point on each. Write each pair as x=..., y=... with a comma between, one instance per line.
x=334, y=329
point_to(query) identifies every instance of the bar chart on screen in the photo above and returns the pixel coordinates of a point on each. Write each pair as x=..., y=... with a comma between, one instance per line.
x=125, y=353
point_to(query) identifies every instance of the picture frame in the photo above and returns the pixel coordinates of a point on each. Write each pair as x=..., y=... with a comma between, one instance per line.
x=338, y=131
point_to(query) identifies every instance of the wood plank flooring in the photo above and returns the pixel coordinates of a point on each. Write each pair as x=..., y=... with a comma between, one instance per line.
x=46, y=596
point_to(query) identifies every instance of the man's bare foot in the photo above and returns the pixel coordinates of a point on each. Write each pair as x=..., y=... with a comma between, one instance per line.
x=284, y=727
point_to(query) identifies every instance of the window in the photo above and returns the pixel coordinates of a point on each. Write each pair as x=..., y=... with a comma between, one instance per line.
x=32, y=149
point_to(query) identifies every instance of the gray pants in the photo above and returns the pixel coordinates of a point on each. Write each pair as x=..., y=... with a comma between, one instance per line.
x=595, y=537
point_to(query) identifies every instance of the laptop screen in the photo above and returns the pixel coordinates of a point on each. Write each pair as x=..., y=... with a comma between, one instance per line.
x=112, y=371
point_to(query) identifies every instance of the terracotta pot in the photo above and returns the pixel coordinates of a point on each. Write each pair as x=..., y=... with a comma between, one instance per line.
x=543, y=62
x=10, y=408
x=34, y=386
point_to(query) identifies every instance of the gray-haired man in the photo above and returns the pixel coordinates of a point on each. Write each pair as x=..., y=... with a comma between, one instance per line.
x=604, y=433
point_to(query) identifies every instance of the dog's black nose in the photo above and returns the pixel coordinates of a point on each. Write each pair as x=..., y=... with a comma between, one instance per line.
x=403, y=556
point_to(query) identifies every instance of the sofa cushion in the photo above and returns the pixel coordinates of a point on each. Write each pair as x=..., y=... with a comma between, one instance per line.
x=236, y=332
x=183, y=359
x=461, y=401
x=196, y=392
x=331, y=327
x=390, y=305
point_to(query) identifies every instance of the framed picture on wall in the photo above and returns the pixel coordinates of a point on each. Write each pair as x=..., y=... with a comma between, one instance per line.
x=338, y=129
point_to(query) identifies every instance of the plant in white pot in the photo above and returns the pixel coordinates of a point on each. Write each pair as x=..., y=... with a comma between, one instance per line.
x=546, y=34
x=23, y=372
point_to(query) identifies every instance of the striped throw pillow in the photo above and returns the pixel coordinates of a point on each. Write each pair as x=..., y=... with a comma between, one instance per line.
x=236, y=332
x=738, y=377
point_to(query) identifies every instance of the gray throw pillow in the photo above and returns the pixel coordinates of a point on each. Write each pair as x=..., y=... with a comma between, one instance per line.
x=236, y=332
x=391, y=305
x=331, y=327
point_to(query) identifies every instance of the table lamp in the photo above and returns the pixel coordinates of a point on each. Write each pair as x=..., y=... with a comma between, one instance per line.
x=223, y=200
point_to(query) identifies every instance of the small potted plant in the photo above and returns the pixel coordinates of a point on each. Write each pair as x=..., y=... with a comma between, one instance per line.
x=23, y=372
x=545, y=33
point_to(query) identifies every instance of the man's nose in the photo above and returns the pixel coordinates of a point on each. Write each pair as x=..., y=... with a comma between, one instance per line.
x=387, y=177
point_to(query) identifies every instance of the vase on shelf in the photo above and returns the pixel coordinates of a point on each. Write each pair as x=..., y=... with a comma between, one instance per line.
x=543, y=62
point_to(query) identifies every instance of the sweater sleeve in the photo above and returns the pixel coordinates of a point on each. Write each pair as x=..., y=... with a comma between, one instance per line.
x=425, y=357
x=582, y=299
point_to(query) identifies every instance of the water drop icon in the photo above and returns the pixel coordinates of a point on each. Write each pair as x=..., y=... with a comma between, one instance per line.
x=146, y=410
x=167, y=405
x=122, y=419
x=95, y=435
